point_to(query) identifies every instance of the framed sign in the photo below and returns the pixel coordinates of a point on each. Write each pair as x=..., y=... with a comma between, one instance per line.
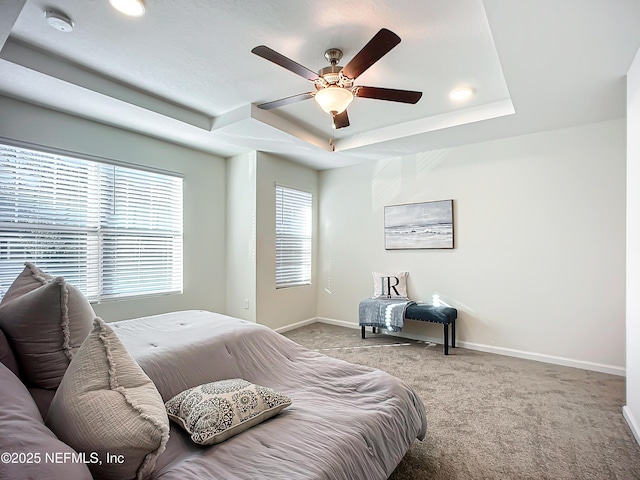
x=419, y=225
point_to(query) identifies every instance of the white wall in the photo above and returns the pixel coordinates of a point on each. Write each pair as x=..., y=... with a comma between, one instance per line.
x=285, y=306
x=539, y=261
x=204, y=198
x=241, y=236
x=632, y=408
x=540, y=249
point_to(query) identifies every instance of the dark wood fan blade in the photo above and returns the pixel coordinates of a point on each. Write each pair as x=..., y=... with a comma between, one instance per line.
x=390, y=94
x=381, y=43
x=285, y=101
x=279, y=59
x=341, y=120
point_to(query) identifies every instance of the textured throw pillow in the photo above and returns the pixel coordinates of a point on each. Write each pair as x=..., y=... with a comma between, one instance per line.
x=45, y=327
x=214, y=412
x=30, y=279
x=6, y=355
x=106, y=403
x=26, y=441
x=390, y=285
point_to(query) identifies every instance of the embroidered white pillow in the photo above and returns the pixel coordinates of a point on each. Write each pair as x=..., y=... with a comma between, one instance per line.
x=390, y=285
x=213, y=412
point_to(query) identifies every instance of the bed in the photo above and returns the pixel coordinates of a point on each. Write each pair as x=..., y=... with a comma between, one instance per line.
x=346, y=421
x=88, y=399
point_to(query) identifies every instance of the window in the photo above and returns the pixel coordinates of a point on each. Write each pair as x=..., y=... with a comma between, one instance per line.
x=293, y=237
x=110, y=230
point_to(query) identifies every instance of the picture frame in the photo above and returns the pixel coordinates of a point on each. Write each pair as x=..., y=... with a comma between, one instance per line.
x=425, y=225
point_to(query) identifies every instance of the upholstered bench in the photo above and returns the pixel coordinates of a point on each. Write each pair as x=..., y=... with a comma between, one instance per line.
x=429, y=313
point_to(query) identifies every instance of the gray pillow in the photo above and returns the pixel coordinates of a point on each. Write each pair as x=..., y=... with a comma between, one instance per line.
x=106, y=403
x=6, y=355
x=29, y=279
x=24, y=433
x=45, y=326
x=213, y=412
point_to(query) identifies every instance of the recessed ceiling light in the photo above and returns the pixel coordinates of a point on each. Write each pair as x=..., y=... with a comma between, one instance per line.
x=132, y=8
x=461, y=93
x=58, y=20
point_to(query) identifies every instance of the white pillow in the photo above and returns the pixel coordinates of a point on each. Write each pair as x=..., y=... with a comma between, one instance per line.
x=216, y=411
x=390, y=285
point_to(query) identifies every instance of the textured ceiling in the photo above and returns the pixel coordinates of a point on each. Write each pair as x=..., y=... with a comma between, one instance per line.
x=185, y=71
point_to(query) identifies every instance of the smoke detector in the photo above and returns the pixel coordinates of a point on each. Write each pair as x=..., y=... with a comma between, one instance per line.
x=58, y=20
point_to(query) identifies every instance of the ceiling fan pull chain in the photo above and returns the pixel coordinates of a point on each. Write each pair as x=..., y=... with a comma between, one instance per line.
x=333, y=128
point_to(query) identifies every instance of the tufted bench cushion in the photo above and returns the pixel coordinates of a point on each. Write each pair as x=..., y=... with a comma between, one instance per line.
x=430, y=313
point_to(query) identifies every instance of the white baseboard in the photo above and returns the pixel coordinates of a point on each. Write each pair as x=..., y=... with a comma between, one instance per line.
x=633, y=424
x=539, y=357
x=340, y=323
x=566, y=362
x=293, y=326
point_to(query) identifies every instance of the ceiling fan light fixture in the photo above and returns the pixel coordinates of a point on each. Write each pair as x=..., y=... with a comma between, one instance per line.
x=334, y=100
x=132, y=8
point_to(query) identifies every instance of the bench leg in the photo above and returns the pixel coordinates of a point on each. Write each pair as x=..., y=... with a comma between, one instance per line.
x=373, y=330
x=446, y=339
x=453, y=334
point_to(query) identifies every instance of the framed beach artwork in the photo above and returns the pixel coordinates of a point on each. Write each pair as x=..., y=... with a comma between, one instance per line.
x=419, y=225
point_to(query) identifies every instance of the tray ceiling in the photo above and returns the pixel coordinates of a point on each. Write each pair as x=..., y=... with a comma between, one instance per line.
x=184, y=71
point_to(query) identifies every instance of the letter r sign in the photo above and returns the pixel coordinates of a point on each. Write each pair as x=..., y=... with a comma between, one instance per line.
x=387, y=285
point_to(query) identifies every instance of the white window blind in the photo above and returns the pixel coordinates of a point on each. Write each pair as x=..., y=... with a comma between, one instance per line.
x=110, y=230
x=293, y=237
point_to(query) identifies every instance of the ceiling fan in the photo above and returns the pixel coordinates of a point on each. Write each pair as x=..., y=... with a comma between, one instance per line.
x=334, y=84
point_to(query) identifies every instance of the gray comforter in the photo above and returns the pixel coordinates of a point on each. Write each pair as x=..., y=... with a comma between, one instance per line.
x=346, y=421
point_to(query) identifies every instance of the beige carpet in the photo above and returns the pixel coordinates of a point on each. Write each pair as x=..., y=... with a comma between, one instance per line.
x=497, y=417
